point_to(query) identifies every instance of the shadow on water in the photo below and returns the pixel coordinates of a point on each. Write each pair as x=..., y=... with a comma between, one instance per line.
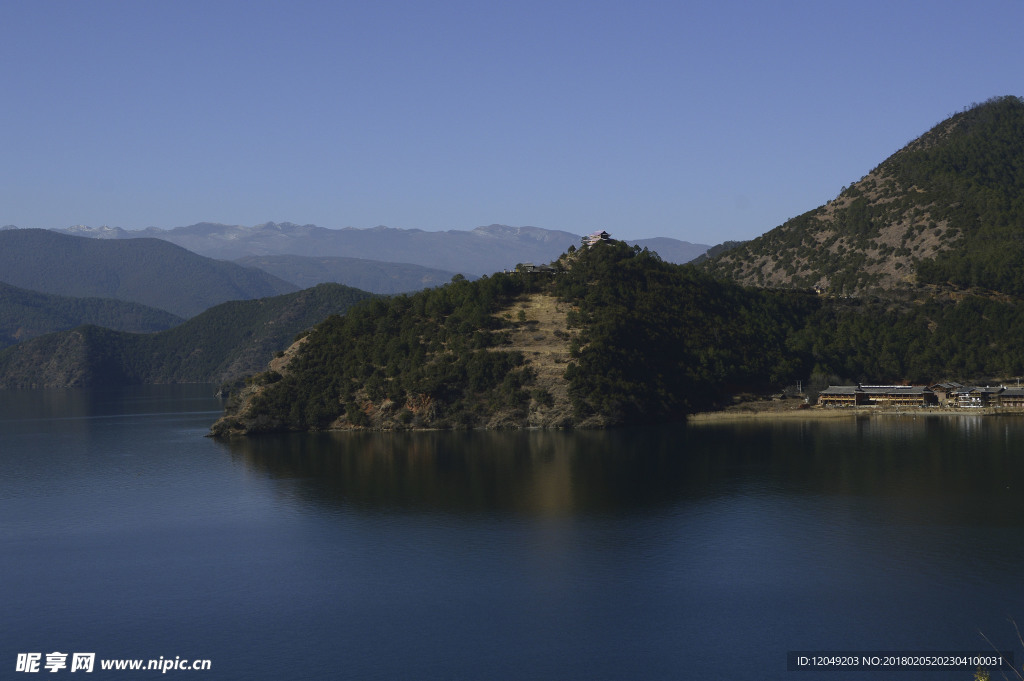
x=910, y=462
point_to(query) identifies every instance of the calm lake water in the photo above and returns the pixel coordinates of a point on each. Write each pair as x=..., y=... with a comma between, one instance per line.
x=660, y=553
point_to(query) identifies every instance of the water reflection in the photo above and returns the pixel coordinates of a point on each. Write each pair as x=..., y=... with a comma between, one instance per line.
x=545, y=473
x=453, y=555
x=917, y=465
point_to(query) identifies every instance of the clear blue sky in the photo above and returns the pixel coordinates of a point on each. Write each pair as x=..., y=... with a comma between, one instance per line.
x=703, y=121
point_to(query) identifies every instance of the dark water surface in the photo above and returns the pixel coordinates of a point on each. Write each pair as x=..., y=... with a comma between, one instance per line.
x=659, y=553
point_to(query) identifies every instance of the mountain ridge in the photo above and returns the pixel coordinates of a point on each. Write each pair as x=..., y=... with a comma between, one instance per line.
x=149, y=271
x=26, y=314
x=947, y=208
x=482, y=250
x=368, y=275
x=218, y=345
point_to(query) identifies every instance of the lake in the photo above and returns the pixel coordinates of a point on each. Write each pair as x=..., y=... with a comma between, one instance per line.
x=678, y=552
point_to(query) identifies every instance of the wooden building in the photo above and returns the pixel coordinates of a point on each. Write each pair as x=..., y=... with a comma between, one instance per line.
x=977, y=397
x=1012, y=398
x=945, y=393
x=899, y=395
x=876, y=396
x=530, y=268
x=842, y=396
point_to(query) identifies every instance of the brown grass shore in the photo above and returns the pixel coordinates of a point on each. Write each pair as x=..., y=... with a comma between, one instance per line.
x=772, y=410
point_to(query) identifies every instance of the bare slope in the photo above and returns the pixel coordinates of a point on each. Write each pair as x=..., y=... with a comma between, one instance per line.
x=540, y=332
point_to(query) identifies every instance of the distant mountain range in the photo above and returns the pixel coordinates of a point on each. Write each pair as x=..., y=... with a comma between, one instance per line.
x=475, y=252
x=221, y=344
x=152, y=272
x=368, y=275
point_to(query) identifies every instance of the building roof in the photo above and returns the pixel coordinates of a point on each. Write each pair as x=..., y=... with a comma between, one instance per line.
x=947, y=386
x=985, y=390
x=895, y=389
x=875, y=390
x=841, y=390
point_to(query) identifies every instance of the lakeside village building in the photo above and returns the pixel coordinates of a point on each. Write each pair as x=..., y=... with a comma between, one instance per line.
x=940, y=394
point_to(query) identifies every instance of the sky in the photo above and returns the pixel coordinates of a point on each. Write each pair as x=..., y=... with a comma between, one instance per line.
x=701, y=121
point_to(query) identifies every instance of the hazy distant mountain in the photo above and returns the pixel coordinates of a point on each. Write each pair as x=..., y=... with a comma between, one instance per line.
x=26, y=314
x=222, y=343
x=672, y=250
x=148, y=271
x=367, y=275
x=483, y=250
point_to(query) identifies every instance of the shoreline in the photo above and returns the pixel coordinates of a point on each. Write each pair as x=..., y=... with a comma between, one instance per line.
x=818, y=413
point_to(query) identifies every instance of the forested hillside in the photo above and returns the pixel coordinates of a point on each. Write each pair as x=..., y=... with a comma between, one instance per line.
x=221, y=344
x=147, y=271
x=656, y=341
x=27, y=314
x=947, y=209
x=647, y=341
x=970, y=340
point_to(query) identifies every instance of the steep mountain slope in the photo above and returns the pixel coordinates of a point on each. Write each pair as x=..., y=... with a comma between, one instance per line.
x=27, y=314
x=221, y=344
x=483, y=250
x=148, y=271
x=367, y=275
x=946, y=209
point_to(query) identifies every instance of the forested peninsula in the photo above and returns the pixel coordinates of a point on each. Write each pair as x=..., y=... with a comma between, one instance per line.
x=629, y=338
x=607, y=335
